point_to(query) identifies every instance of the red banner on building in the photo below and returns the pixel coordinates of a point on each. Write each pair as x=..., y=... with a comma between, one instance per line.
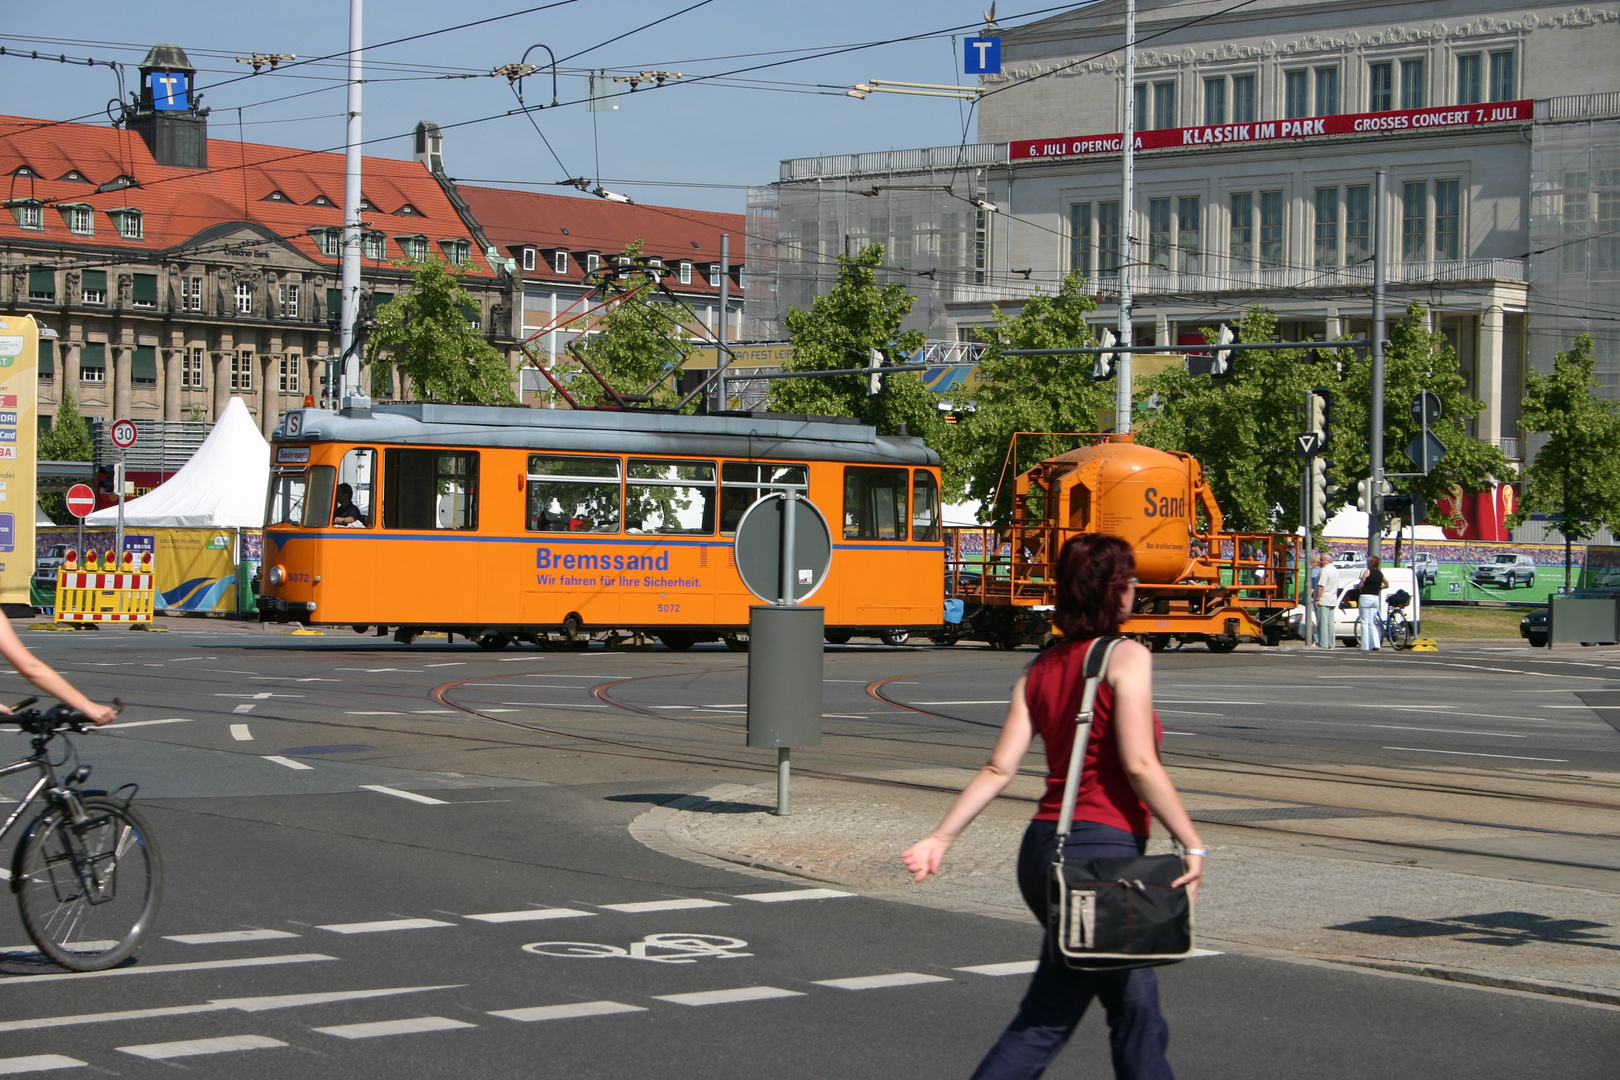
x=1446, y=118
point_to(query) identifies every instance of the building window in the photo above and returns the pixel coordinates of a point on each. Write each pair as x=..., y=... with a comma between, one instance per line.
x=244, y=298
x=1504, y=84
x=144, y=293
x=93, y=363
x=191, y=369
x=289, y=373
x=1414, y=221
x=1413, y=86
x=1140, y=114
x=456, y=252
x=902, y=246
x=1242, y=239
x=1271, y=230
x=593, y=262
x=1080, y=238
x=242, y=370
x=1448, y=219
x=981, y=244
x=1108, y=238
x=81, y=220
x=191, y=294
x=683, y=273
x=289, y=301
x=1243, y=111
x=1327, y=91
x=1189, y=235
x=329, y=241
x=1164, y=105
x=47, y=372
x=1159, y=233
x=128, y=222
x=1215, y=101
x=373, y=243
x=1327, y=226
x=1357, y=224
x=530, y=258
x=1470, y=89
x=1380, y=87
x=30, y=213
x=1296, y=94
x=143, y=366
x=1608, y=221
x=1576, y=208
x=413, y=247
x=714, y=274
x=94, y=287
x=42, y=285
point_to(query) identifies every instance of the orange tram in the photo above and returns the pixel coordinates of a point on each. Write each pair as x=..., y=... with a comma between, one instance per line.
x=555, y=527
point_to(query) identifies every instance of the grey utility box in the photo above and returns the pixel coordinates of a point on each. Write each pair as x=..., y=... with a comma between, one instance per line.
x=1583, y=620
x=785, y=664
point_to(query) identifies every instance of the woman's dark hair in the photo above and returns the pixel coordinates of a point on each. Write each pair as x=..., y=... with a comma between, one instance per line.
x=1374, y=562
x=1093, y=572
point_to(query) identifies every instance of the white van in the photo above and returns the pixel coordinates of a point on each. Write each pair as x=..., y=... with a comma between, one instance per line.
x=1396, y=579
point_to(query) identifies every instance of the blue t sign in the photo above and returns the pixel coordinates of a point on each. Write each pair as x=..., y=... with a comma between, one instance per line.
x=168, y=90
x=981, y=56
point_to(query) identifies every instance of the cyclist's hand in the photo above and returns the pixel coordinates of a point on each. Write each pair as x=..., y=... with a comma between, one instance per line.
x=100, y=714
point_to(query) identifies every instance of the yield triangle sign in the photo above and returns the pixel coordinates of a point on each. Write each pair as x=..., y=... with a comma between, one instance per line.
x=1306, y=444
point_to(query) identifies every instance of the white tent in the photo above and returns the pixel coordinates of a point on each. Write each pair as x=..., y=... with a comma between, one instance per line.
x=222, y=486
x=1351, y=524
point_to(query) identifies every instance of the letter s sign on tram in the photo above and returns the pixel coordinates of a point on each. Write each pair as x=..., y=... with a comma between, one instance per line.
x=981, y=56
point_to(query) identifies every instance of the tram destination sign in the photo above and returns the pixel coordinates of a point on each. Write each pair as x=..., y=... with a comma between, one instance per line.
x=1445, y=118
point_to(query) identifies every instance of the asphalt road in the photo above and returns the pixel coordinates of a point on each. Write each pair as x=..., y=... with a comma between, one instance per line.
x=377, y=858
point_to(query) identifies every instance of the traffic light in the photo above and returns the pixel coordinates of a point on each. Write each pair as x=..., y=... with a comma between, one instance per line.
x=1220, y=363
x=1412, y=509
x=1364, y=496
x=875, y=382
x=1104, y=367
x=1321, y=416
x=1319, y=489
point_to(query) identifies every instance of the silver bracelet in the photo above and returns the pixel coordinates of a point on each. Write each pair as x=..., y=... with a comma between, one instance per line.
x=1202, y=853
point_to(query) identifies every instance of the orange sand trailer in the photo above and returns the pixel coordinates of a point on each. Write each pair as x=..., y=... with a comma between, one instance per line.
x=552, y=526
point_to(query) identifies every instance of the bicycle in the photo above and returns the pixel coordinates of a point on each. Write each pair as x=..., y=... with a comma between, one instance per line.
x=86, y=873
x=1395, y=627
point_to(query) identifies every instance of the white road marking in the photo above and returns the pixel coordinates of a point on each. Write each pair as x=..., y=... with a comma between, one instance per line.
x=243, y=709
x=373, y=713
x=498, y=710
x=664, y=905
x=36, y=1063
x=411, y=795
x=373, y=670
x=147, y=723
x=394, y=1027
x=5, y=875
x=1462, y=753
x=999, y=701
x=553, y=705
x=843, y=716
x=434, y=712
x=727, y=997
x=240, y=733
x=287, y=761
x=290, y=1001
x=567, y=1012
x=1446, y=731
x=161, y=969
x=878, y=982
x=194, y=1047
x=1207, y=952
x=225, y=937
x=1015, y=967
x=450, y=663
x=383, y=925
x=529, y=915
x=793, y=894
x=45, y=1022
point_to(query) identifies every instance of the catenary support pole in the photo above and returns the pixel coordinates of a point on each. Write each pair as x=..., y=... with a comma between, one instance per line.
x=1127, y=216
x=1306, y=497
x=721, y=356
x=351, y=217
x=1375, y=437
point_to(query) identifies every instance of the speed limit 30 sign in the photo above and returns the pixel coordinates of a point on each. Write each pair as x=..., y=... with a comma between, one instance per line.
x=124, y=434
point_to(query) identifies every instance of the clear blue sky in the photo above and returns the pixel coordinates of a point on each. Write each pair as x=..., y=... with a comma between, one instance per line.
x=720, y=133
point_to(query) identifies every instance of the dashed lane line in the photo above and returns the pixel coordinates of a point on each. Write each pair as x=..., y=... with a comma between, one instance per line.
x=196, y=1047
x=240, y=733
x=530, y=915
x=372, y=712
x=411, y=1026
x=1015, y=967
x=383, y=926
x=1464, y=753
x=37, y=1063
x=664, y=905
x=164, y=969
x=879, y=982
x=147, y=723
x=286, y=761
x=227, y=937
x=727, y=997
x=243, y=709
x=793, y=894
x=399, y=794
x=568, y=1012
x=247, y=1005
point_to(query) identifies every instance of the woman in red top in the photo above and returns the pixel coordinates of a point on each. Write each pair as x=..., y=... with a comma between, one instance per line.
x=1122, y=784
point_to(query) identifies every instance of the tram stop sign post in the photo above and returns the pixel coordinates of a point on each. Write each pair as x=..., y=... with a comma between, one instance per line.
x=784, y=550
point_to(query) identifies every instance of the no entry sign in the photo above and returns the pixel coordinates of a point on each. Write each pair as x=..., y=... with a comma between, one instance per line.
x=124, y=434
x=80, y=500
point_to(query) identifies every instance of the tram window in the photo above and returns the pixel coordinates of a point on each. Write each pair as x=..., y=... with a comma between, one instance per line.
x=924, y=506
x=430, y=489
x=875, y=503
x=357, y=472
x=287, y=490
x=670, y=497
x=573, y=494
x=318, y=506
x=743, y=483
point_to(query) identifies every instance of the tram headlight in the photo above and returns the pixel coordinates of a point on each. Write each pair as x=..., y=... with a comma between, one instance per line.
x=277, y=574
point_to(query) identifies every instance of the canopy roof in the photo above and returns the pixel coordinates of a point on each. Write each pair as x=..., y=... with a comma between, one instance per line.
x=222, y=486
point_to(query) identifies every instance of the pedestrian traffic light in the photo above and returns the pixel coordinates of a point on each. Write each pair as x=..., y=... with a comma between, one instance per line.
x=1412, y=509
x=875, y=382
x=1319, y=490
x=1220, y=363
x=1104, y=367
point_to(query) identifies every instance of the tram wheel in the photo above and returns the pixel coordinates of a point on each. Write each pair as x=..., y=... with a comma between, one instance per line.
x=494, y=642
x=1221, y=645
x=677, y=642
x=737, y=644
x=1158, y=642
x=837, y=637
x=895, y=637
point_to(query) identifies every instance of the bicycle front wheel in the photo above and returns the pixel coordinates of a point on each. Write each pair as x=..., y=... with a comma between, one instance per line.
x=1400, y=632
x=88, y=891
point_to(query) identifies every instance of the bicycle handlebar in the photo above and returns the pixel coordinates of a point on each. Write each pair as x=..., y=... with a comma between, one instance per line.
x=56, y=718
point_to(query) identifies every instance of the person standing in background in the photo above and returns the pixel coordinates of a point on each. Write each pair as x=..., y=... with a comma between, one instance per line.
x=1327, y=602
x=1368, y=600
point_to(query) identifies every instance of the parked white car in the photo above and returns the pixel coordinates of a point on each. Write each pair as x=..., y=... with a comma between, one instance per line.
x=1396, y=579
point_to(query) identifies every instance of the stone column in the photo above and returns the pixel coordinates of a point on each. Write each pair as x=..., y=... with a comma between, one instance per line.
x=222, y=374
x=171, y=383
x=123, y=357
x=1161, y=329
x=1488, y=384
x=70, y=371
x=1333, y=327
x=269, y=392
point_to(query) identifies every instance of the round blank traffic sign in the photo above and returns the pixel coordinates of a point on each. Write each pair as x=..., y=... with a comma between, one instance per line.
x=81, y=501
x=759, y=548
x=124, y=434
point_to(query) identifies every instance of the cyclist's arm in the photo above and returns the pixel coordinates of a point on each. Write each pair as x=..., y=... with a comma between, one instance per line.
x=43, y=676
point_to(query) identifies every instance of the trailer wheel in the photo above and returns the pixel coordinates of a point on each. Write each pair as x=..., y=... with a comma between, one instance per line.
x=1221, y=645
x=494, y=642
x=895, y=637
x=1158, y=642
x=837, y=637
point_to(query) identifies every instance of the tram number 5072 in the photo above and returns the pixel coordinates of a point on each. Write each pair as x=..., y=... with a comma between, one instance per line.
x=668, y=607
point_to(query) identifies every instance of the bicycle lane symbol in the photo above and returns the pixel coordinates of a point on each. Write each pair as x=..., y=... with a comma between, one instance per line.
x=658, y=948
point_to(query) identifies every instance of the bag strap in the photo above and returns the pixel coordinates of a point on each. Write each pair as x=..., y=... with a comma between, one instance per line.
x=1096, y=668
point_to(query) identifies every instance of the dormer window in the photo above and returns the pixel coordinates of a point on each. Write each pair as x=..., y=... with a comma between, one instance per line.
x=529, y=258
x=656, y=264
x=456, y=252
x=128, y=222
x=593, y=263
x=79, y=218
x=559, y=261
x=373, y=243
x=414, y=247
x=365, y=204
x=684, y=272
x=321, y=200
x=276, y=196
x=30, y=213
x=713, y=274
x=73, y=176
x=329, y=241
x=23, y=170
x=408, y=211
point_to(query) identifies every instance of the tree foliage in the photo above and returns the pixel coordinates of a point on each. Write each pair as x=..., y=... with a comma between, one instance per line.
x=69, y=437
x=1574, y=475
x=1026, y=393
x=641, y=340
x=839, y=332
x=425, y=334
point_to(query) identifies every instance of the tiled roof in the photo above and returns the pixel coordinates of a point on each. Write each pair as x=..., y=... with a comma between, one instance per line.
x=178, y=203
x=584, y=223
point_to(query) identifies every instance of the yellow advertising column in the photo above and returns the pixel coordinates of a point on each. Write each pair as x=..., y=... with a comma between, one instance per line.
x=19, y=430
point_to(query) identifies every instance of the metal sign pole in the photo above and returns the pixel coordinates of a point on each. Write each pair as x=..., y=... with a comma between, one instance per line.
x=790, y=576
x=118, y=545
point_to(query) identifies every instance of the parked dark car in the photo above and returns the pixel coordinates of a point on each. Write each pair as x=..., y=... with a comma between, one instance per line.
x=1533, y=627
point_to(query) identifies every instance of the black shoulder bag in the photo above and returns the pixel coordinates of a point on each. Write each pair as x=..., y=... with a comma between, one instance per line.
x=1109, y=914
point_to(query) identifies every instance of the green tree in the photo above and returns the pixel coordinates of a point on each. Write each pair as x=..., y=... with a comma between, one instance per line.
x=1573, y=476
x=839, y=332
x=1026, y=393
x=642, y=340
x=426, y=335
x=68, y=440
